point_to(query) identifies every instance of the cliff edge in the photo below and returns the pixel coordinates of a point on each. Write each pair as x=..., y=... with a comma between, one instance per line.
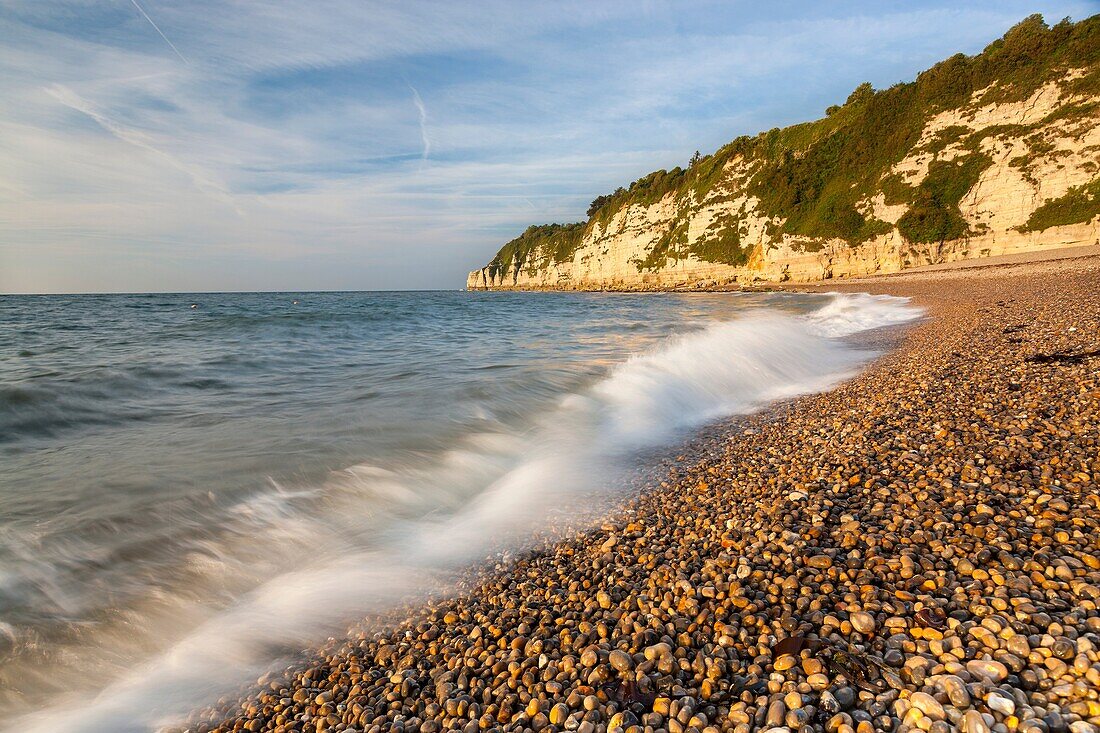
x=980, y=156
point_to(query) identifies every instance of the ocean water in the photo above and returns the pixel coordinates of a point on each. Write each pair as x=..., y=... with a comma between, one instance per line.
x=196, y=487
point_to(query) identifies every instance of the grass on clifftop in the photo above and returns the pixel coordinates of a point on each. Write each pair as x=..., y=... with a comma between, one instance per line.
x=810, y=178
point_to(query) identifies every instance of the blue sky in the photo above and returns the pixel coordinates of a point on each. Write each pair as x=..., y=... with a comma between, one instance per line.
x=269, y=145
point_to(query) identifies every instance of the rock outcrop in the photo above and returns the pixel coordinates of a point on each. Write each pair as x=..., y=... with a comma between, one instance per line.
x=914, y=175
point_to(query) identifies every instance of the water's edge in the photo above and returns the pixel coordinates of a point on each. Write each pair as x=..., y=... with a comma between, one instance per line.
x=517, y=487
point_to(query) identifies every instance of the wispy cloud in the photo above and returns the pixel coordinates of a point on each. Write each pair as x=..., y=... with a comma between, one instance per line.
x=202, y=181
x=423, y=114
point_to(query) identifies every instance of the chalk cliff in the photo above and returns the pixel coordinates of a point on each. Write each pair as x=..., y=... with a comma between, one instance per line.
x=980, y=156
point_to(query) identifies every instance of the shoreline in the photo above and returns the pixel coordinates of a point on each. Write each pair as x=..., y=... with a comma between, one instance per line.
x=924, y=533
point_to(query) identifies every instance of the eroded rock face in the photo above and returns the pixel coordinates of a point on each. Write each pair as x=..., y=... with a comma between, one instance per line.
x=1034, y=154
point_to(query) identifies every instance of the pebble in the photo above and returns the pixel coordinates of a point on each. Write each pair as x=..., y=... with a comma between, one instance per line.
x=559, y=713
x=987, y=669
x=927, y=705
x=621, y=661
x=777, y=712
x=956, y=691
x=1000, y=703
x=973, y=722
x=863, y=622
x=785, y=662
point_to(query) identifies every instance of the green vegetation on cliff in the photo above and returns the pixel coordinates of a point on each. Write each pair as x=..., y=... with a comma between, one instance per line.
x=933, y=214
x=1080, y=204
x=539, y=245
x=809, y=179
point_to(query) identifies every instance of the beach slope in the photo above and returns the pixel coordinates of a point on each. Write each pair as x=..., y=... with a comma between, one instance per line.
x=916, y=547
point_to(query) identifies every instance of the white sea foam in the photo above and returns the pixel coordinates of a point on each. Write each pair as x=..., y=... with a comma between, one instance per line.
x=850, y=313
x=491, y=492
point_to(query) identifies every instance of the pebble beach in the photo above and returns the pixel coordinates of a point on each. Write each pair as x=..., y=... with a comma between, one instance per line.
x=918, y=548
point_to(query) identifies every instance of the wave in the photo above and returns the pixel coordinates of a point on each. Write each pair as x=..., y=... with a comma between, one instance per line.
x=848, y=314
x=381, y=536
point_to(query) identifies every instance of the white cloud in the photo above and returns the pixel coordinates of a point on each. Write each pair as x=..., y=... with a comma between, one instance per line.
x=422, y=113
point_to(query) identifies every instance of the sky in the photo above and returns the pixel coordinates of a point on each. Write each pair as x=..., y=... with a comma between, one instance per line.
x=156, y=145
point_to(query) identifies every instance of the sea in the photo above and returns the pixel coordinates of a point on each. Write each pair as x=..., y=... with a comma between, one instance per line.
x=196, y=488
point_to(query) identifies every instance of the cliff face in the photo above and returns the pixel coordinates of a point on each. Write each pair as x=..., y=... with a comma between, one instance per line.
x=980, y=156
